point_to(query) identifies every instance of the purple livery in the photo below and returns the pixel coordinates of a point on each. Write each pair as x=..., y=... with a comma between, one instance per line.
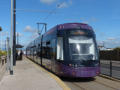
x=68, y=50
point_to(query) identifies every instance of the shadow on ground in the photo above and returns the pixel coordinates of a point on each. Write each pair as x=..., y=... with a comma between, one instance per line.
x=66, y=79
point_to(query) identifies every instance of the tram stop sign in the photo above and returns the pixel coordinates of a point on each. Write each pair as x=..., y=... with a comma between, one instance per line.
x=0, y=28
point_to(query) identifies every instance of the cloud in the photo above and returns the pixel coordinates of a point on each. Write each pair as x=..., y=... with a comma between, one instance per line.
x=47, y=1
x=16, y=22
x=33, y=32
x=29, y=29
x=64, y=4
x=111, y=38
x=110, y=42
x=60, y=4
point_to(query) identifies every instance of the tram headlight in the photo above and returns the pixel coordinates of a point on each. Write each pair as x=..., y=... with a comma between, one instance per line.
x=70, y=65
x=73, y=65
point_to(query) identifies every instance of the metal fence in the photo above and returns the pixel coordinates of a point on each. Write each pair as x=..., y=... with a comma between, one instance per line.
x=110, y=63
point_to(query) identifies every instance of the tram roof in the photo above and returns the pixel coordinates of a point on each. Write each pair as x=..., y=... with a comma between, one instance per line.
x=74, y=26
x=67, y=26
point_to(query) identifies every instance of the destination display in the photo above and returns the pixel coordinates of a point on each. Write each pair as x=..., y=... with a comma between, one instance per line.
x=80, y=32
x=77, y=32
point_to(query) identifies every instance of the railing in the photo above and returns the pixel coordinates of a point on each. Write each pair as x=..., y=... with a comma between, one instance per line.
x=110, y=63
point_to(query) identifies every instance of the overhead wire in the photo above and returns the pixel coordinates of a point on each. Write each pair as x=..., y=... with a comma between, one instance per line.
x=53, y=10
x=34, y=10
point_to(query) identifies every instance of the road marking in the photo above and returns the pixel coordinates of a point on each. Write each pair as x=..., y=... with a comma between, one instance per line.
x=58, y=80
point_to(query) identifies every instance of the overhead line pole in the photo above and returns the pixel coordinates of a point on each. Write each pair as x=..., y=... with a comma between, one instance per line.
x=11, y=40
x=38, y=29
x=45, y=24
x=14, y=34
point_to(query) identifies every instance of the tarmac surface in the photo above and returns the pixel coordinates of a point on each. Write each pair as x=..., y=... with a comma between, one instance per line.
x=27, y=76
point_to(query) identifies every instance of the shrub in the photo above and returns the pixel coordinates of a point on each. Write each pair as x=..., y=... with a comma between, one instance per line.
x=3, y=53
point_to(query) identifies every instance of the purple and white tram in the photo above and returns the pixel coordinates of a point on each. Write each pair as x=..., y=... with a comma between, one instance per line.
x=68, y=50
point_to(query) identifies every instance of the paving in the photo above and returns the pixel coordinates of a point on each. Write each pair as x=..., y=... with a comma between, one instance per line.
x=2, y=66
x=27, y=76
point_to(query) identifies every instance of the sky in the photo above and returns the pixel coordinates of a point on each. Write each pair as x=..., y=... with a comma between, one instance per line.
x=102, y=15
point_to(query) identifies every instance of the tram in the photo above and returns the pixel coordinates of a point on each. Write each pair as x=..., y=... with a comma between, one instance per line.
x=68, y=50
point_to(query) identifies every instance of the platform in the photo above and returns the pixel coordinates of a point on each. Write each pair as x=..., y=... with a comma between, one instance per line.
x=29, y=76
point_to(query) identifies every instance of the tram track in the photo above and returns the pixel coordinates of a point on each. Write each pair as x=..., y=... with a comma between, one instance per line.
x=106, y=85
x=81, y=88
x=95, y=84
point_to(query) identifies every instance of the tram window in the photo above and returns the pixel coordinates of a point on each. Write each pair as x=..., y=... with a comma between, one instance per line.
x=60, y=48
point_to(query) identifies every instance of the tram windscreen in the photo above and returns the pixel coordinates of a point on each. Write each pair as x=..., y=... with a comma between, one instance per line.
x=82, y=48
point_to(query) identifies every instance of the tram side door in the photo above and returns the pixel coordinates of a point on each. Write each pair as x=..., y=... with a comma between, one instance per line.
x=53, y=54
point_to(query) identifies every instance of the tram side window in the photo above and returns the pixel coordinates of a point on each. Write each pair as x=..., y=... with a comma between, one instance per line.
x=43, y=50
x=39, y=50
x=60, y=48
x=48, y=50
